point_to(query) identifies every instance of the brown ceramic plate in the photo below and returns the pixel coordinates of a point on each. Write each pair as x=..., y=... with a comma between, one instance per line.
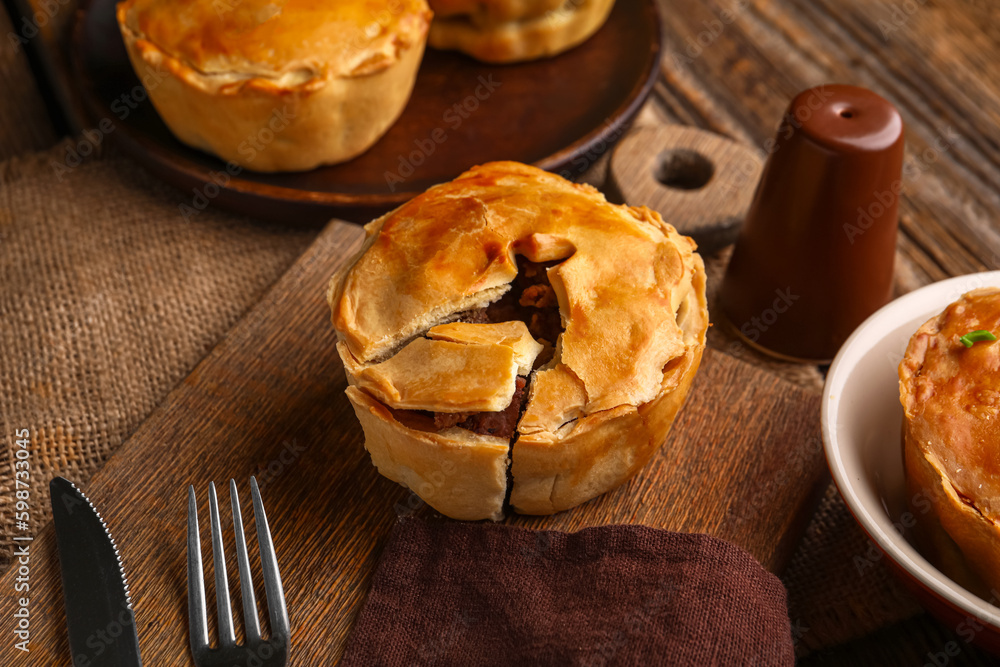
x=559, y=114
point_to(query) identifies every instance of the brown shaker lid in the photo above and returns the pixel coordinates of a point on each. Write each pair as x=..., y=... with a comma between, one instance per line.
x=847, y=119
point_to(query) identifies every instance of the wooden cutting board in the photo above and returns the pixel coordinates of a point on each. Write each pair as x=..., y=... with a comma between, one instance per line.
x=743, y=462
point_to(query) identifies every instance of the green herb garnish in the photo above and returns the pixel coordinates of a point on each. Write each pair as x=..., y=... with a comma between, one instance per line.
x=973, y=337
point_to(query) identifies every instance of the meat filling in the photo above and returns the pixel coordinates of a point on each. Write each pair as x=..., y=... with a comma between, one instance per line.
x=500, y=424
x=531, y=300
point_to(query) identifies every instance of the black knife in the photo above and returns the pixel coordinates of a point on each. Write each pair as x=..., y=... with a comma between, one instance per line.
x=99, y=613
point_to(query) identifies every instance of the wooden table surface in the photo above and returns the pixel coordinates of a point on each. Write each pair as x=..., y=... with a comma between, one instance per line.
x=743, y=462
x=936, y=60
x=731, y=66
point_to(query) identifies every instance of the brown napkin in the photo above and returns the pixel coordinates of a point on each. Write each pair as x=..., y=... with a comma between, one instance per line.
x=449, y=593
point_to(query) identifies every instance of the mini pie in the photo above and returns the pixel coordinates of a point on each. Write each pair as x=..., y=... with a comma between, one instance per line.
x=951, y=400
x=511, y=332
x=508, y=31
x=277, y=85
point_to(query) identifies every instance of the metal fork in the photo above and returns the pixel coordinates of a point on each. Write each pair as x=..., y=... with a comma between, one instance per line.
x=272, y=652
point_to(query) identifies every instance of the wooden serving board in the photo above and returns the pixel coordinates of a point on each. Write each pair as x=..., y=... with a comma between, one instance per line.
x=743, y=462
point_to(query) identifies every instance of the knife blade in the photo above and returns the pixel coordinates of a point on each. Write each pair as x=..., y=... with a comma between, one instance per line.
x=99, y=614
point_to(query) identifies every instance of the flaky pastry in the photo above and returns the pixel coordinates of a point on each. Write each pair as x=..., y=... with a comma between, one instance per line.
x=951, y=400
x=276, y=85
x=515, y=30
x=513, y=322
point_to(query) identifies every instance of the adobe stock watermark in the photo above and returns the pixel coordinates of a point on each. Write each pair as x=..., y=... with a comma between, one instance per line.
x=223, y=7
x=418, y=497
x=120, y=625
x=104, y=638
x=262, y=651
x=245, y=328
x=586, y=160
x=531, y=552
x=632, y=624
x=694, y=48
x=899, y=16
x=91, y=138
x=759, y=324
x=749, y=170
x=386, y=13
x=970, y=282
x=913, y=168
x=799, y=630
x=920, y=502
x=290, y=452
x=453, y=117
x=45, y=11
x=967, y=629
x=894, y=355
x=798, y=463
x=253, y=145
x=447, y=637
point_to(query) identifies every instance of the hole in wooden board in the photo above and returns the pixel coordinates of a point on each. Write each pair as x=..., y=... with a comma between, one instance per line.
x=847, y=113
x=683, y=169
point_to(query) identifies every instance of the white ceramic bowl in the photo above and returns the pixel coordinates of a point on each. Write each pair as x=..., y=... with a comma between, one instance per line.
x=861, y=422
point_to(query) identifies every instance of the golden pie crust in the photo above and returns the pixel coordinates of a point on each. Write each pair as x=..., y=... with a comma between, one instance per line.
x=631, y=297
x=517, y=30
x=491, y=12
x=951, y=434
x=276, y=85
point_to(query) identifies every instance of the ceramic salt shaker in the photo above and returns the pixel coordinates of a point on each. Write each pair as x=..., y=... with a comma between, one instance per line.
x=815, y=255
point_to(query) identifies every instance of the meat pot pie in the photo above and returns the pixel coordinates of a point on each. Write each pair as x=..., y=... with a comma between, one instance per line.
x=505, y=31
x=511, y=332
x=277, y=85
x=951, y=400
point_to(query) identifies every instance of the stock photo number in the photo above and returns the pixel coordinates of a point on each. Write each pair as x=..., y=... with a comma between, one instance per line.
x=22, y=537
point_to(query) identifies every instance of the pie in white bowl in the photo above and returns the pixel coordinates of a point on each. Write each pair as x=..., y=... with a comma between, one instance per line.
x=862, y=423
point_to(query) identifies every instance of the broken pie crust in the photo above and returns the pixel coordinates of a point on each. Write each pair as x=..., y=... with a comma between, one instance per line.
x=515, y=31
x=276, y=85
x=631, y=294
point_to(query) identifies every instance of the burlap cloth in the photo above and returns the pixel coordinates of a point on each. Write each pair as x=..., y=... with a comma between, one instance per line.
x=108, y=299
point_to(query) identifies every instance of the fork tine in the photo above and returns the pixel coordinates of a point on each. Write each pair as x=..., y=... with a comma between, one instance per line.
x=269, y=565
x=227, y=636
x=246, y=582
x=197, y=615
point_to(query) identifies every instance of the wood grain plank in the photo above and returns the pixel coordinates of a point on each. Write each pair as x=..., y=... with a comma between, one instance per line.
x=743, y=462
x=952, y=192
x=936, y=65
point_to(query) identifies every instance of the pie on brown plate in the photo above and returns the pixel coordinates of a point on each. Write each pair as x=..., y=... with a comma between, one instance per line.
x=506, y=31
x=277, y=85
x=511, y=337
